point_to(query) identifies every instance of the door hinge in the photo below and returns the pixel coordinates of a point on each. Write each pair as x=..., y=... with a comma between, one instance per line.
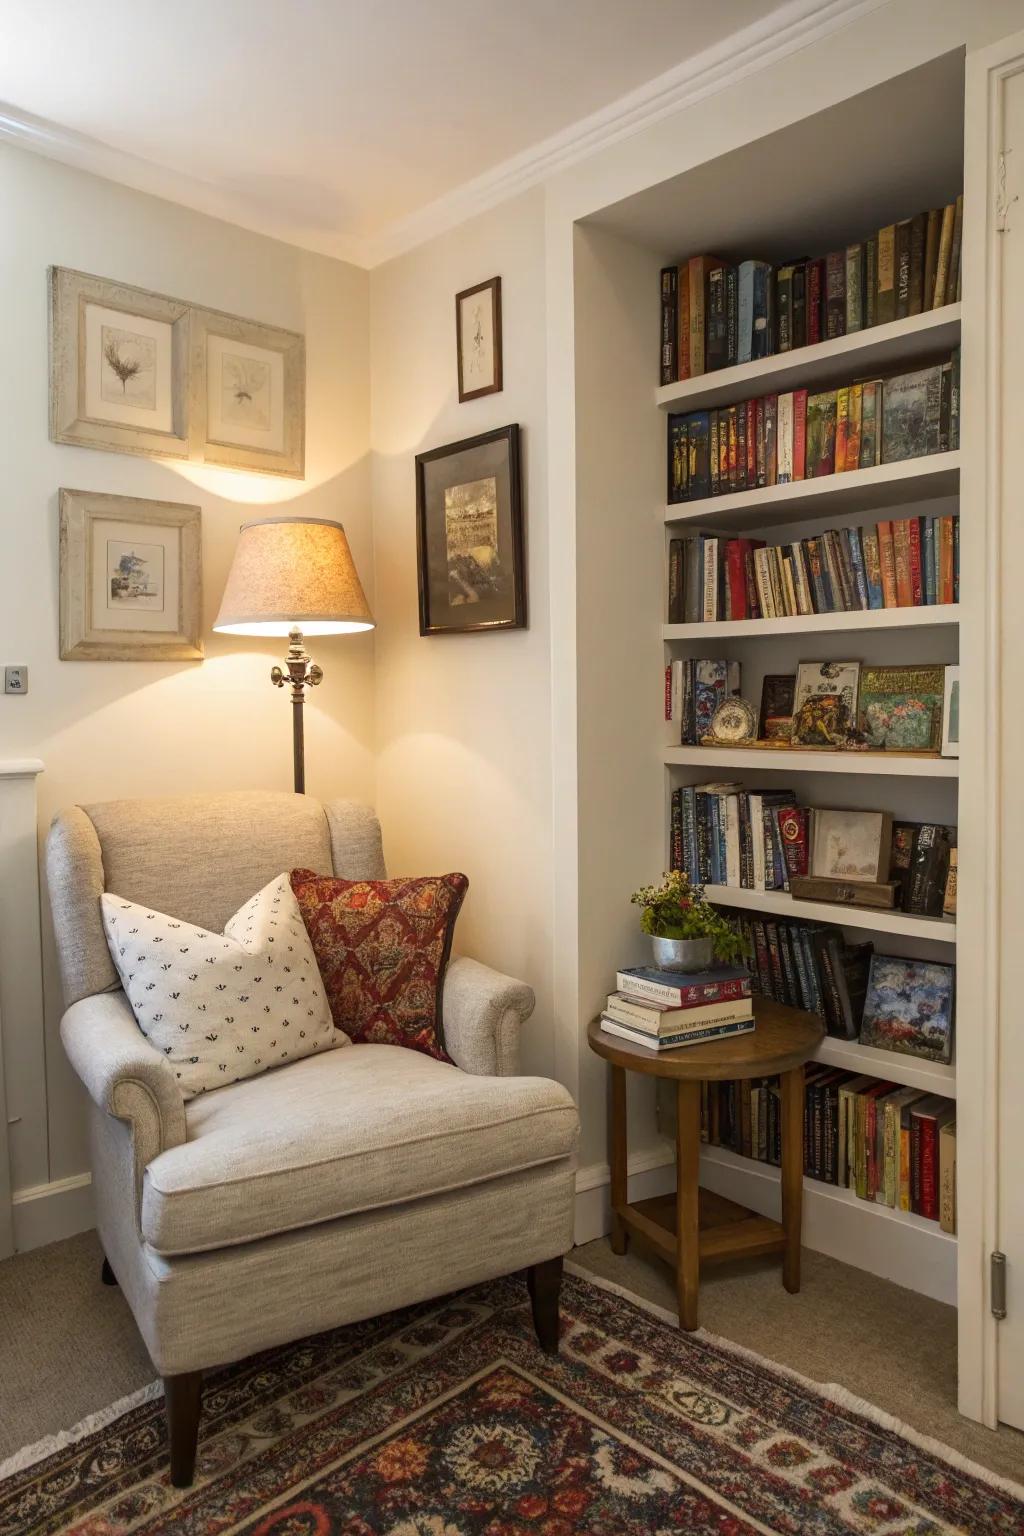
x=997, y=1284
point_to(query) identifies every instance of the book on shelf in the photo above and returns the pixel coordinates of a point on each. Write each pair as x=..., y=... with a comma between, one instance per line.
x=674, y=1042
x=889, y=1145
x=905, y=563
x=662, y=1019
x=716, y=313
x=777, y=439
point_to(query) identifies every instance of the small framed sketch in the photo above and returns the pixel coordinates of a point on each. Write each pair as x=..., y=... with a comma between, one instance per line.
x=469, y=535
x=851, y=845
x=478, y=339
x=139, y=372
x=951, y=713
x=130, y=579
x=248, y=394
x=118, y=367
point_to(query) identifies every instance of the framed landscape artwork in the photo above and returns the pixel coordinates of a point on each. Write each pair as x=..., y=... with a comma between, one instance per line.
x=130, y=579
x=909, y=1007
x=138, y=372
x=478, y=339
x=469, y=535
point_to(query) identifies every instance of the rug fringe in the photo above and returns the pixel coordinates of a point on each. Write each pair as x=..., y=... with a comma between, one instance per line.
x=30, y=1454
x=831, y=1391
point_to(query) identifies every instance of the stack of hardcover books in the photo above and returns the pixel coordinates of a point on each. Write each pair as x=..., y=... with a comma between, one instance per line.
x=664, y=1010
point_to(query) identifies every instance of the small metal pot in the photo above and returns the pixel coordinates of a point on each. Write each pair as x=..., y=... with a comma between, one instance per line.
x=683, y=954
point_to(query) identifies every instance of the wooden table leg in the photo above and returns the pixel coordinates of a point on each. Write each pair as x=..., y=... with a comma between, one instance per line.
x=687, y=1201
x=792, y=1173
x=619, y=1185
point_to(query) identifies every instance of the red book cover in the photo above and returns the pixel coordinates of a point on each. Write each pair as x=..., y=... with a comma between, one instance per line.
x=815, y=291
x=928, y=1159
x=751, y=410
x=901, y=556
x=799, y=433
x=792, y=821
x=736, y=577
x=916, y=593
x=753, y=603
x=733, y=447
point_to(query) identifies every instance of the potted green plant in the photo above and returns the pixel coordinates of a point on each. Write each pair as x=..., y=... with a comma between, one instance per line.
x=687, y=932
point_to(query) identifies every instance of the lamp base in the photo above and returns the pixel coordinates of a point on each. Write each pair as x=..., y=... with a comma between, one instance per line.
x=300, y=671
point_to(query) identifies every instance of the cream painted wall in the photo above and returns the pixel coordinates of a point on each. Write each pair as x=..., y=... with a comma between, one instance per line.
x=110, y=729
x=463, y=721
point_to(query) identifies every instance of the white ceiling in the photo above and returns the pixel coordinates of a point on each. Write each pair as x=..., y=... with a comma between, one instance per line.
x=334, y=123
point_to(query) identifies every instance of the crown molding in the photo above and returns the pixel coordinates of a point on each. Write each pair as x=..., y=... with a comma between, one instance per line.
x=792, y=26
x=98, y=159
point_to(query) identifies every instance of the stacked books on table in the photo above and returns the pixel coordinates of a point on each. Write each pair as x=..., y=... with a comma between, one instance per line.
x=664, y=1010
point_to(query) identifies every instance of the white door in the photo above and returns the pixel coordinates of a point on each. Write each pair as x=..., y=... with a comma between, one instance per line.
x=1006, y=455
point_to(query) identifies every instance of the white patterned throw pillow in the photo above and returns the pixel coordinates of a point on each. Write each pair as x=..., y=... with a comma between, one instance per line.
x=223, y=1006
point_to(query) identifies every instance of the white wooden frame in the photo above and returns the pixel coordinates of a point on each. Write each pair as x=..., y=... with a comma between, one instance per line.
x=290, y=459
x=80, y=639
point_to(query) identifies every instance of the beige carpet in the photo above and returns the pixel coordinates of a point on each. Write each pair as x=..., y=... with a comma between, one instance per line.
x=69, y=1347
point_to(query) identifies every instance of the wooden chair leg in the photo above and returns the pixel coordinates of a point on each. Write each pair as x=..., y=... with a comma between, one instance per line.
x=792, y=1173
x=545, y=1283
x=106, y=1273
x=182, y=1399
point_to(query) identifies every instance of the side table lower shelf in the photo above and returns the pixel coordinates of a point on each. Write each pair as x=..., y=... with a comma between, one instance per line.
x=727, y=1230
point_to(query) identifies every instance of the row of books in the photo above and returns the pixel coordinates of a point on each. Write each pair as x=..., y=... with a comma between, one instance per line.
x=910, y=562
x=717, y=313
x=892, y=1145
x=889, y=1002
x=777, y=439
x=664, y=1010
x=758, y=840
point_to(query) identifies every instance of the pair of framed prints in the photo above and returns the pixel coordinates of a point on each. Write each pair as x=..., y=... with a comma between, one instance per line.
x=139, y=372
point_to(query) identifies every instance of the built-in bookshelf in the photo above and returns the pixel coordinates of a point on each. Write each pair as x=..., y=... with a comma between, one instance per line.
x=893, y=1242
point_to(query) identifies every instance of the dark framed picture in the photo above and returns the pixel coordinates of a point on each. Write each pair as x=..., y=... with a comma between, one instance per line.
x=478, y=339
x=469, y=535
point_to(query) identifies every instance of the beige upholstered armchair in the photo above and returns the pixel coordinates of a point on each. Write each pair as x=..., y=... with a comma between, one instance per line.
x=325, y=1191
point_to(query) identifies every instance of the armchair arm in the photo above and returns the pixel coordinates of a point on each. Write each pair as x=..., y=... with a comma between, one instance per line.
x=482, y=1013
x=125, y=1076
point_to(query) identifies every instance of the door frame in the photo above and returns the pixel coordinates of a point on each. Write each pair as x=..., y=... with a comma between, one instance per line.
x=981, y=780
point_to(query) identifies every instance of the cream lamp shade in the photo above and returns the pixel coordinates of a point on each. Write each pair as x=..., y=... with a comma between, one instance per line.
x=293, y=572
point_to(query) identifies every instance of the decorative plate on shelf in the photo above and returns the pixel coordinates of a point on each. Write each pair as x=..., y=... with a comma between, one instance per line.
x=734, y=720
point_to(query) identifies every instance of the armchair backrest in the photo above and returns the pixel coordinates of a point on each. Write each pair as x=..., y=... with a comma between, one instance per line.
x=197, y=857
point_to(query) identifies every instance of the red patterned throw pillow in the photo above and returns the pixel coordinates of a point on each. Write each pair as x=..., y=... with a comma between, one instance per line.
x=382, y=947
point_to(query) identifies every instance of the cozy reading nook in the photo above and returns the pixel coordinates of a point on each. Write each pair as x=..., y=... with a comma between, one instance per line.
x=654, y=453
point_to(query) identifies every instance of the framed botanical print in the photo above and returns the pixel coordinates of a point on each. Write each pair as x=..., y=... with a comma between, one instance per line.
x=469, y=535
x=138, y=372
x=478, y=339
x=248, y=394
x=118, y=367
x=130, y=579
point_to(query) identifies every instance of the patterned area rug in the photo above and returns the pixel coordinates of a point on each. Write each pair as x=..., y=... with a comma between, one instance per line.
x=447, y=1420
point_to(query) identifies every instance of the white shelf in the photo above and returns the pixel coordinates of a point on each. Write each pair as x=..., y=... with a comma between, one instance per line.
x=783, y=905
x=828, y=362
x=938, y=615
x=860, y=491
x=877, y=764
x=911, y=1071
x=897, y=1245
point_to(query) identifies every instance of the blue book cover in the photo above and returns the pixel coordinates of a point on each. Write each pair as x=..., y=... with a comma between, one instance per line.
x=745, y=311
x=872, y=568
x=716, y=859
x=710, y=685
x=860, y=579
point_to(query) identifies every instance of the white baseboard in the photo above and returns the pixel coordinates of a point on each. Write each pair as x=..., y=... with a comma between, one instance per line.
x=45, y=1213
x=895, y=1246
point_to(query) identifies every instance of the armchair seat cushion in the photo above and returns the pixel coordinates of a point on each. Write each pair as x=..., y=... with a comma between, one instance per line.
x=355, y=1130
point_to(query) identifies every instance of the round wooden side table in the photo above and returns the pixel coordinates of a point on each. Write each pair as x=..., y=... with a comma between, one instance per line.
x=694, y=1226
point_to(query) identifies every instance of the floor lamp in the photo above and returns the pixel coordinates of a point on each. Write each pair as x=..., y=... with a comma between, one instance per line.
x=293, y=576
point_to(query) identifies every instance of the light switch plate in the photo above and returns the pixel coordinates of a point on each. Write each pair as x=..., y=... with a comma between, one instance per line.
x=15, y=679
